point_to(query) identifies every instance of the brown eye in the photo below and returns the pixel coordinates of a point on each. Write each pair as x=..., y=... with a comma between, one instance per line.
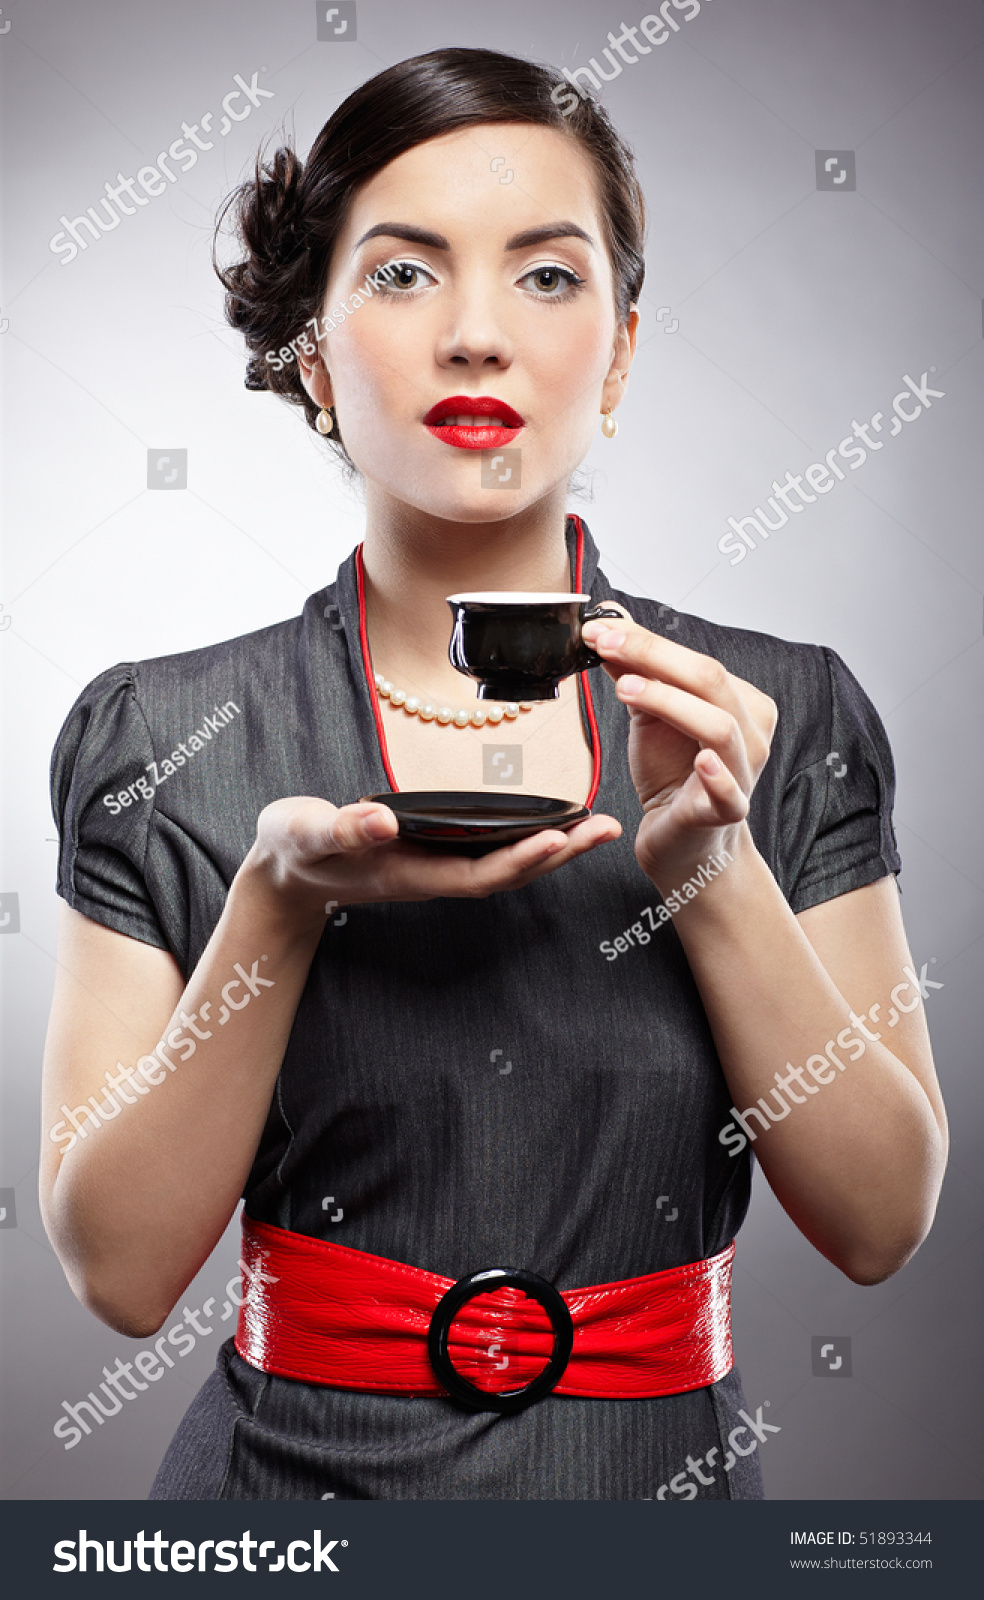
x=552, y=283
x=548, y=278
x=402, y=276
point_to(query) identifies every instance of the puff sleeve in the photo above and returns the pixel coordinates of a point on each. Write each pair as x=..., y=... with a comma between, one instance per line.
x=836, y=830
x=103, y=807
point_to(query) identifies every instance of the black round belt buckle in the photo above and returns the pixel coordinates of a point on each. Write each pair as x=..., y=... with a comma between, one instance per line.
x=485, y=1283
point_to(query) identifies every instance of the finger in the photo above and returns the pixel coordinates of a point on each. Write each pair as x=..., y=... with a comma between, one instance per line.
x=708, y=800
x=711, y=797
x=556, y=849
x=512, y=866
x=578, y=841
x=673, y=658
x=359, y=827
x=706, y=724
x=721, y=799
x=635, y=649
x=415, y=872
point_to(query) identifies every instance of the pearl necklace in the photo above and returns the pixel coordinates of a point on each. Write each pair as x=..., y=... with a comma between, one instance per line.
x=427, y=712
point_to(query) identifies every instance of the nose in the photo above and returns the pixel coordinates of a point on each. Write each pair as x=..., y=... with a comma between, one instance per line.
x=474, y=335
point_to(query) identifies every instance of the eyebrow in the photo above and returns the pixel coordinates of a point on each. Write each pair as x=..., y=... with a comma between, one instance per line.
x=437, y=241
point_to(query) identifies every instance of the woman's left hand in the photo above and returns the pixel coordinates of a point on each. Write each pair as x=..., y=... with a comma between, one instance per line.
x=699, y=739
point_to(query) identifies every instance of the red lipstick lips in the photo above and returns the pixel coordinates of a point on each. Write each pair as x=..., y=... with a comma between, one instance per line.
x=457, y=422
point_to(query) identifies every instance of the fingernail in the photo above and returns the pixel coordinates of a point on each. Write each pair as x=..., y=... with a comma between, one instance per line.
x=377, y=825
x=631, y=683
x=710, y=763
x=611, y=639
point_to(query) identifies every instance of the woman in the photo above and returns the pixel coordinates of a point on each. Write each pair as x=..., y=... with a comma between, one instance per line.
x=452, y=1064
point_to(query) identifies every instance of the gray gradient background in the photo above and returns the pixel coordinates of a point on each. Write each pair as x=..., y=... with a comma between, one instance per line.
x=798, y=311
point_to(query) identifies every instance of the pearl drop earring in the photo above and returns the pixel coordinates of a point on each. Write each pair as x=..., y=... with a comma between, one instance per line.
x=324, y=422
x=609, y=426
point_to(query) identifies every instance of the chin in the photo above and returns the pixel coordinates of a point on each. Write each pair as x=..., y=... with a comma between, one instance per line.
x=475, y=505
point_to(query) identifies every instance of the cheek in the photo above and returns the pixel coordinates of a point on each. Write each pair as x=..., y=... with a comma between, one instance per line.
x=375, y=375
x=569, y=366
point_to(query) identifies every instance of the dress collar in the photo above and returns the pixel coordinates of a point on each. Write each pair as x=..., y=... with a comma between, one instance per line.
x=350, y=606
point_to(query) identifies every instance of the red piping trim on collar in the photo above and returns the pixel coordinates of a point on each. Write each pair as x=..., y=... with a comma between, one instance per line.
x=360, y=581
x=588, y=703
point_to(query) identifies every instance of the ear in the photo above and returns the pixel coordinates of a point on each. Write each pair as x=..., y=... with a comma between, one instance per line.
x=314, y=375
x=623, y=351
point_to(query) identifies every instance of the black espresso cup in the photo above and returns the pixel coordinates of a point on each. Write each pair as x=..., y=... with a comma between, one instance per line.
x=519, y=645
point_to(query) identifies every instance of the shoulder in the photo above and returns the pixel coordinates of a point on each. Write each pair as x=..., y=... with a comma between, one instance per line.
x=131, y=712
x=247, y=659
x=159, y=689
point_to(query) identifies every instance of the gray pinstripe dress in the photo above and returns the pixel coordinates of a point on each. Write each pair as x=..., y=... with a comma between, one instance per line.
x=387, y=1099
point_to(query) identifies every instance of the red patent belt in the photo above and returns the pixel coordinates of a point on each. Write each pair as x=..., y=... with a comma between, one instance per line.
x=325, y=1313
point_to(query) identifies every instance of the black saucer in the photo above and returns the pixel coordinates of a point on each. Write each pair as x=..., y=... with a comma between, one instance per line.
x=471, y=823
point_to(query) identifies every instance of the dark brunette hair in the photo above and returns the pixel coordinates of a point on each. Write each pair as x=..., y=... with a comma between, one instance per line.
x=289, y=215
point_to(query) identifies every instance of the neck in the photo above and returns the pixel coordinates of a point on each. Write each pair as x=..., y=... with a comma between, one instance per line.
x=414, y=561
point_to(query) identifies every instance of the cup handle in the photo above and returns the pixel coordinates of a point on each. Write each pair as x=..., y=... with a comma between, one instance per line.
x=609, y=608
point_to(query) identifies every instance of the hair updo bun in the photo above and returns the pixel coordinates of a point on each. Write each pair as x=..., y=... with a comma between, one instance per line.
x=265, y=290
x=289, y=215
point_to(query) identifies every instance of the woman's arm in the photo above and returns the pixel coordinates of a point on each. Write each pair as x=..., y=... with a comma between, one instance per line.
x=857, y=1151
x=135, y=1200
x=858, y=1160
x=137, y=1204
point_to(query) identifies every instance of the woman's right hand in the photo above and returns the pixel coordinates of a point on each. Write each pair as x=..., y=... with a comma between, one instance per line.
x=312, y=857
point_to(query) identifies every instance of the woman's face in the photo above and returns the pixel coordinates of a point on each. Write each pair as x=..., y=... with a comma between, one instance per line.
x=499, y=288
